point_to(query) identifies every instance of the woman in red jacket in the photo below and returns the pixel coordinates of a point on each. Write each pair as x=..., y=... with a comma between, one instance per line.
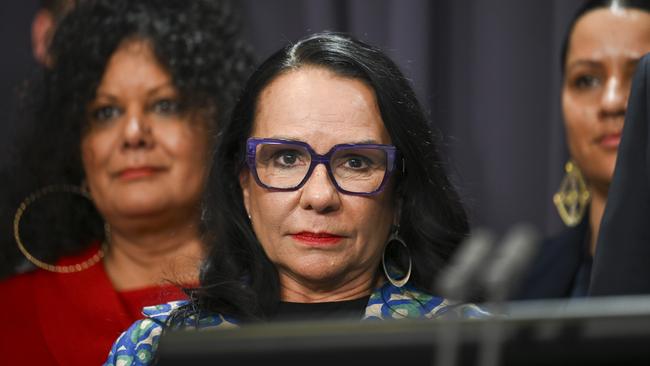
x=112, y=172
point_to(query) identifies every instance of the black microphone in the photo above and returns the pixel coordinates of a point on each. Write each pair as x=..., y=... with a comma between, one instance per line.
x=458, y=283
x=502, y=276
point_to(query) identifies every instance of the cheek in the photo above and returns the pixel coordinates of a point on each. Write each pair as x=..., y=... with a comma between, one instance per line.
x=270, y=208
x=580, y=122
x=373, y=220
x=90, y=157
x=188, y=145
x=95, y=155
x=576, y=134
x=270, y=214
x=98, y=146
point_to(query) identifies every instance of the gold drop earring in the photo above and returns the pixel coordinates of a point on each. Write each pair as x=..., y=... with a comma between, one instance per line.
x=572, y=198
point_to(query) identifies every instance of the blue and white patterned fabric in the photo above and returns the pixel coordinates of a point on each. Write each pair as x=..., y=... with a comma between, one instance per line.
x=137, y=345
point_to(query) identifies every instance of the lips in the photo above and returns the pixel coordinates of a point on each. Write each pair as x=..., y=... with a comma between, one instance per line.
x=610, y=141
x=322, y=238
x=138, y=172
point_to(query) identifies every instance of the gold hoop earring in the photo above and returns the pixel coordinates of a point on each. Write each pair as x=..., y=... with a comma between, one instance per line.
x=38, y=263
x=397, y=282
x=572, y=198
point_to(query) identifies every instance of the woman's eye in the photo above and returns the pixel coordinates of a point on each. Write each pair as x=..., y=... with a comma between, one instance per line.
x=106, y=113
x=586, y=82
x=358, y=163
x=287, y=157
x=166, y=106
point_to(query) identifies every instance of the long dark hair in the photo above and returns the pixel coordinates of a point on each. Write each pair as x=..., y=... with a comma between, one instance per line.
x=590, y=5
x=237, y=278
x=197, y=41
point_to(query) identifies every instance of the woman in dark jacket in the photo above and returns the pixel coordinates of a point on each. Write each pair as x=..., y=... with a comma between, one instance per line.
x=605, y=41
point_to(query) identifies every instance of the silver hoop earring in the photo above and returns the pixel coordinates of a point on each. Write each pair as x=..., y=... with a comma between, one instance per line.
x=397, y=282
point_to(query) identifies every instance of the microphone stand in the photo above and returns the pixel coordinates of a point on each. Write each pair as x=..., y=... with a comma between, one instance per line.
x=457, y=283
x=500, y=278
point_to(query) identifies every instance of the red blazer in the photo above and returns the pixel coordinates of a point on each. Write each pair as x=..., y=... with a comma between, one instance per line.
x=49, y=318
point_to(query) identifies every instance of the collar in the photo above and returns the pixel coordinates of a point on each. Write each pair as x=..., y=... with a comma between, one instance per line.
x=386, y=302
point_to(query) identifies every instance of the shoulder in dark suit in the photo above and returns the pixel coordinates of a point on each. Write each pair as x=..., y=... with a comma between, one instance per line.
x=553, y=273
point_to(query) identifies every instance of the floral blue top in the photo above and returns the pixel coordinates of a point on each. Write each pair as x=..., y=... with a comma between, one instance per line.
x=137, y=345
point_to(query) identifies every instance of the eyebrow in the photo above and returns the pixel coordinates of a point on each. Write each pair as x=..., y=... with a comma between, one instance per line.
x=580, y=62
x=288, y=138
x=152, y=91
x=156, y=89
x=589, y=63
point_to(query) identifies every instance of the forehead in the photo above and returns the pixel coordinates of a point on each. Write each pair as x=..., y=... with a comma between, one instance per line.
x=132, y=64
x=603, y=33
x=314, y=105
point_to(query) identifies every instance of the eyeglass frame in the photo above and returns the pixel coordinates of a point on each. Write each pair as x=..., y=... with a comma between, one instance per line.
x=316, y=159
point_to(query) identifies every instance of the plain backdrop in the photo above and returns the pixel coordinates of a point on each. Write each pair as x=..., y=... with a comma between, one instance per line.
x=487, y=72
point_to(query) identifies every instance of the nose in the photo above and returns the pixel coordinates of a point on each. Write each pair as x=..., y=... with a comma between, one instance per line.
x=137, y=132
x=319, y=193
x=614, y=98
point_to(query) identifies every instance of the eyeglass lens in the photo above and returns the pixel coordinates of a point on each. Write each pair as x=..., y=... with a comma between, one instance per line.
x=355, y=169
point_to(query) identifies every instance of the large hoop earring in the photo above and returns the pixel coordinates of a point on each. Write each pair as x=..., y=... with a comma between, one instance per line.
x=397, y=282
x=46, y=266
x=572, y=197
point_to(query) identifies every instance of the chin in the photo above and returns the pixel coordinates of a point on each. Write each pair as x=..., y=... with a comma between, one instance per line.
x=139, y=205
x=140, y=212
x=320, y=274
x=605, y=173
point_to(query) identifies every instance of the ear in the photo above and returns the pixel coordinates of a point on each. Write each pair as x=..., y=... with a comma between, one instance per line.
x=244, y=184
x=42, y=30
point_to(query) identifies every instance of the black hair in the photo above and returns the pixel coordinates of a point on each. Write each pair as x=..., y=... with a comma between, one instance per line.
x=590, y=5
x=197, y=41
x=57, y=8
x=237, y=278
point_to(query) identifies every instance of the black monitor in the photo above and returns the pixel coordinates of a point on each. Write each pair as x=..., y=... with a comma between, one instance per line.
x=613, y=331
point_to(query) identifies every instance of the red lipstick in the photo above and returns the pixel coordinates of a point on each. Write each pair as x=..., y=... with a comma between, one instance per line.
x=137, y=173
x=317, y=238
x=610, y=141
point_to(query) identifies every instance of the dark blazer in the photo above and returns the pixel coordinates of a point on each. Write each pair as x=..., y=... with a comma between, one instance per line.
x=622, y=259
x=554, y=271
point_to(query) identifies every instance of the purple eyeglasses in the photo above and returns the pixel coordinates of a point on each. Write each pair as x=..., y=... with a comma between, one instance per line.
x=356, y=169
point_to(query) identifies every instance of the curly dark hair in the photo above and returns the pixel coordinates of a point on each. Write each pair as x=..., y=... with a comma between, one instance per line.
x=197, y=41
x=237, y=278
x=58, y=8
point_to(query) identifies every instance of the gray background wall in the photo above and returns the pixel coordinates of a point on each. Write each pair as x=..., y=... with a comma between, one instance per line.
x=486, y=70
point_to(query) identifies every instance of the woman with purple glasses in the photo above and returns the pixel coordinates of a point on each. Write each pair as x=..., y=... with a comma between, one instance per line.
x=327, y=198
